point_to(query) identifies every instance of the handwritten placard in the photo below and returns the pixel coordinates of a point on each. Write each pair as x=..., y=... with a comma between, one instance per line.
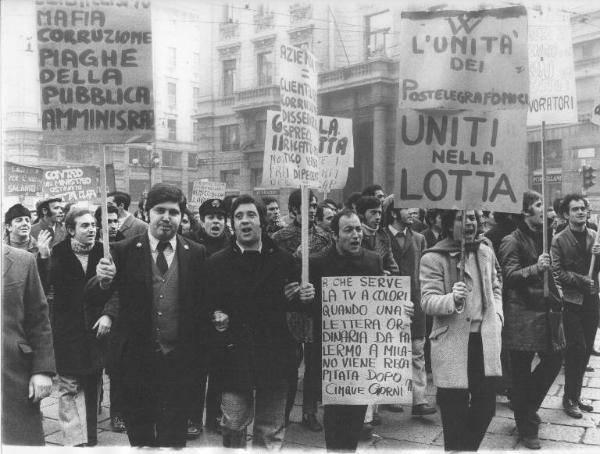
x=456, y=59
x=367, y=349
x=95, y=71
x=72, y=184
x=22, y=180
x=206, y=190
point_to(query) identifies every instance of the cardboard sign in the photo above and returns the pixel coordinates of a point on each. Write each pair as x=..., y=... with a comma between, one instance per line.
x=95, y=63
x=464, y=59
x=552, y=93
x=335, y=150
x=291, y=157
x=367, y=349
x=205, y=190
x=463, y=160
x=22, y=180
x=73, y=184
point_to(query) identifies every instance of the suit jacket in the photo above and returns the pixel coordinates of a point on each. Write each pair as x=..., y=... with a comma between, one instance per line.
x=58, y=234
x=408, y=259
x=133, y=226
x=570, y=263
x=451, y=328
x=27, y=346
x=133, y=334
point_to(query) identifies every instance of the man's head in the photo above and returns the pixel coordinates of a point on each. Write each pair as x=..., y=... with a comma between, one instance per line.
x=247, y=219
x=415, y=213
x=165, y=204
x=452, y=225
x=324, y=216
x=434, y=218
x=272, y=206
x=374, y=190
x=51, y=210
x=213, y=214
x=398, y=217
x=331, y=204
x=352, y=200
x=119, y=199
x=573, y=209
x=369, y=210
x=113, y=220
x=18, y=222
x=533, y=209
x=81, y=225
x=295, y=205
x=347, y=232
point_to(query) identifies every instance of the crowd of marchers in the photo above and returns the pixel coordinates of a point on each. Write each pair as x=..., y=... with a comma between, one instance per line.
x=201, y=320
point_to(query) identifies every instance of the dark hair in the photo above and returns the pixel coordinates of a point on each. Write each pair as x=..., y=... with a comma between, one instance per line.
x=74, y=213
x=556, y=205
x=191, y=218
x=431, y=214
x=247, y=198
x=228, y=202
x=335, y=222
x=529, y=198
x=332, y=203
x=295, y=199
x=367, y=203
x=566, y=201
x=119, y=198
x=163, y=192
x=321, y=209
x=503, y=218
x=45, y=204
x=352, y=199
x=98, y=213
x=390, y=213
x=268, y=200
x=370, y=191
x=448, y=217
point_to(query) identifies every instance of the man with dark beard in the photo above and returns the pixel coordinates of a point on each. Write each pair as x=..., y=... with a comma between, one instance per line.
x=524, y=263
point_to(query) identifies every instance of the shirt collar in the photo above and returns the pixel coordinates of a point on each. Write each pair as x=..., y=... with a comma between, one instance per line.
x=243, y=249
x=396, y=232
x=154, y=242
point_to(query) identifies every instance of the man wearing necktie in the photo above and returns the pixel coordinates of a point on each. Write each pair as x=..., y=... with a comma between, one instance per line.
x=159, y=331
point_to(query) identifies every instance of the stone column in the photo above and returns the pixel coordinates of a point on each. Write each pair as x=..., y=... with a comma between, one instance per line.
x=379, y=146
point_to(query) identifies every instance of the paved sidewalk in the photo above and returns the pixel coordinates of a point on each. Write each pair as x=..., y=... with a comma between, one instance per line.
x=400, y=431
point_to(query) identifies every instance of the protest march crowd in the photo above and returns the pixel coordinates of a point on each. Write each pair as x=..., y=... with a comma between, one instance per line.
x=202, y=319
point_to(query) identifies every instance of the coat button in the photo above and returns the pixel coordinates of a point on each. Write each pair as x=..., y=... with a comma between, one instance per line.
x=161, y=296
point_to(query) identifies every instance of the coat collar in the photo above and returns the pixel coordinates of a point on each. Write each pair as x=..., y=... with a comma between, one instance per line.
x=8, y=259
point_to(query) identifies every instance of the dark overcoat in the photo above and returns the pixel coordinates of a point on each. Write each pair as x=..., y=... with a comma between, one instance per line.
x=27, y=347
x=78, y=351
x=257, y=348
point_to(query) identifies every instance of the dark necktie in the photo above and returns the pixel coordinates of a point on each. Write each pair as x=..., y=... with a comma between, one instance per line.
x=401, y=239
x=161, y=261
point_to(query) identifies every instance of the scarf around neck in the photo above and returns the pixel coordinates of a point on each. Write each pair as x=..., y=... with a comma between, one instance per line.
x=80, y=248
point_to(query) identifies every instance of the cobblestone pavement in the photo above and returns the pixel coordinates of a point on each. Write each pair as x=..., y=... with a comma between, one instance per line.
x=400, y=430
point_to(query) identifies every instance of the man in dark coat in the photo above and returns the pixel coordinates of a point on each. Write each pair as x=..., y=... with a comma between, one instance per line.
x=158, y=279
x=343, y=423
x=129, y=225
x=214, y=234
x=572, y=251
x=248, y=303
x=27, y=352
x=50, y=216
x=407, y=248
x=79, y=328
x=525, y=326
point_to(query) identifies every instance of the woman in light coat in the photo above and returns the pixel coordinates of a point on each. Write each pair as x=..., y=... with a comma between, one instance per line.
x=466, y=333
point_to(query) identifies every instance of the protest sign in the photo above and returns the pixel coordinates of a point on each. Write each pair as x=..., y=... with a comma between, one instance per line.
x=596, y=109
x=22, y=180
x=335, y=150
x=552, y=94
x=72, y=184
x=461, y=160
x=205, y=190
x=464, y=59
x=291, y=157
x=95, y=71
x=367, y=350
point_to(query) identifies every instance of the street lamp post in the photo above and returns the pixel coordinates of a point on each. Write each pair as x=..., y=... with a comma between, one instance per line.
x=153, y=163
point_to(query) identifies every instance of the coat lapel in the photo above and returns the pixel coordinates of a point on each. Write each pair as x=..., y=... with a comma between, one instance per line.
x=8, y=261
x=183, y=257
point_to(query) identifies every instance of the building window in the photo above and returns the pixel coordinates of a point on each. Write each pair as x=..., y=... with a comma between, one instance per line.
x=172, y=127
x=172, y=95
x=256, y=177
x=230, y=137
x=141, y=155
x=196, y=97
x=261, y=127
x=378, y=27
x=265, y=68
x=196, y=132
x=192, y=160
x=228, y=77
x=552, y=152
x=171, y=158
x=48, y=152
x=231, y=178
x=172, y=58
x=587, y=50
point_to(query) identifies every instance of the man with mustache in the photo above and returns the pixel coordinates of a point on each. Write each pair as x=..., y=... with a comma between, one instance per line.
x=467, y=328
x=158, y=282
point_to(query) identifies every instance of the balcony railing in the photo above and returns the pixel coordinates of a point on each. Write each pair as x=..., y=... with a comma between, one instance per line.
x=258, y=97
x=382, y=69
